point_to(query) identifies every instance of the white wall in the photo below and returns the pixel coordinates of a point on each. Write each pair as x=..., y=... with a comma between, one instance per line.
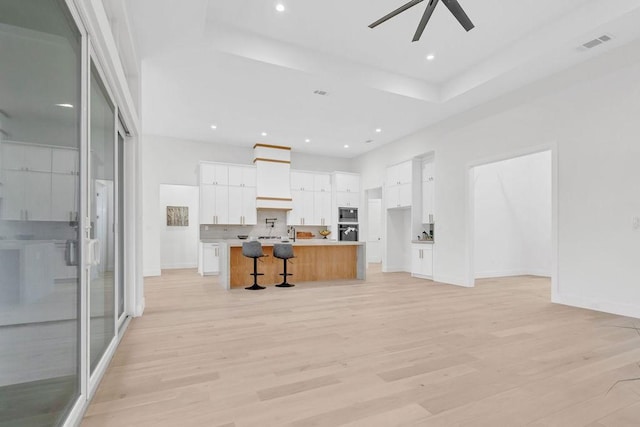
x=179, y=245
x=175, y=161
x=512, y=216
x=589, y=116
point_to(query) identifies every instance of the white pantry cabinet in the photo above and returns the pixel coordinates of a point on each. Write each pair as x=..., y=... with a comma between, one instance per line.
x=242, y=206
x=311, y=194
x=214, y=201
x=428, y=193
x=214, y=174
x=422, y=260
x=398, y=192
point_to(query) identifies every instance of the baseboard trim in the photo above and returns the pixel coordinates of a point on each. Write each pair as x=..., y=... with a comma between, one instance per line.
x=450, y=280
x=179, y=266
x=492, y=274
x=621, y=309
x=152, y=273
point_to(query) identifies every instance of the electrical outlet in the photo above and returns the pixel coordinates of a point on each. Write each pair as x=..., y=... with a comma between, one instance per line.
x=635, y=223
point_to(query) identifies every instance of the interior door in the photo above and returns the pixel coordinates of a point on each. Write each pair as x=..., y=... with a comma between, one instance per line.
x=374, y=239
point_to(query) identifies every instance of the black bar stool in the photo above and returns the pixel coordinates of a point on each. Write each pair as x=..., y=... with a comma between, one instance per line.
x=284, y=251
x=253, y=250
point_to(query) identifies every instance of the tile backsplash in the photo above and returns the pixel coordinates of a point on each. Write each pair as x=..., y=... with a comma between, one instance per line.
x=262, y=228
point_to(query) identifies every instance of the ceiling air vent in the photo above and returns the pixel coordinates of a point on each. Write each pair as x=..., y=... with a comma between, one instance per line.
x=321, y=92
x=597, y=41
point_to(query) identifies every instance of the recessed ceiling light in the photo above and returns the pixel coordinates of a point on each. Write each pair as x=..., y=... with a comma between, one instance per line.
x=431, y=57
x=214, y=127
x=378, y=130
x=264, y=134
x=64, y=105
x=346, y=145
x=307, y=140
x=280, y=7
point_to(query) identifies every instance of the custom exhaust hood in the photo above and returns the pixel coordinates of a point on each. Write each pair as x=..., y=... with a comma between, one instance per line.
x=273, y=184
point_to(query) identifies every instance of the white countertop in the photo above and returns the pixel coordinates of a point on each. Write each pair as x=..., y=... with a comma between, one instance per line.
x=298, y=242
x=423, y=242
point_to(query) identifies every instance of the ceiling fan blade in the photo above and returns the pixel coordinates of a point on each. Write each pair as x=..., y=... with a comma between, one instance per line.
x=425, y=19
x=395, y=12
x=457, y=11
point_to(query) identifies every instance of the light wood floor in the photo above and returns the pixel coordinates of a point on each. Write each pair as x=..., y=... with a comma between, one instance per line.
x=391, y=351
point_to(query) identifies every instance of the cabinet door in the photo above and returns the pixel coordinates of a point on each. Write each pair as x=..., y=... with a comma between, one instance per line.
x=210, y=258
x=242, y=176
x=37, y=158
x=392, y=176
x=302, y=181
x=347, y=199
x=427, y=201
x=392, y=196
x=214, y=174
x=322, y=182
x=347, y=182
x=322, y=208
x=12, y=157
x=404, y=195
x=427, y=261
x=235, y=205
x=38, y=196
x=249, y=209
x=427, y=171
x=64, y=197
x=207, y=204
x=13, y=195
x=416, y=259
x=295, y=215
x=64, y=161
x=405, y=172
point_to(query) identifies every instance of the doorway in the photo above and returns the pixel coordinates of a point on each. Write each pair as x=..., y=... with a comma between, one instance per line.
x=512, y=216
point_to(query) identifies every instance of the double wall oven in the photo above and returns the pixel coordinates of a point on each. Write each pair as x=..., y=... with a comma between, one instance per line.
x=348, y=224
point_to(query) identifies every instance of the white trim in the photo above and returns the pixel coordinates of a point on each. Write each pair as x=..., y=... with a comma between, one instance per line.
x=452, y=280
x=153, y=272
x=511, y=273
x=629, y=310
x=179, y=266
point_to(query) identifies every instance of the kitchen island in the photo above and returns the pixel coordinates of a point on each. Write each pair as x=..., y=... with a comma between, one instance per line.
x=315, y=260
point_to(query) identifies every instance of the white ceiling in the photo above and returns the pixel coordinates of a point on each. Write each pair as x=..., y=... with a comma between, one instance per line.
x=247, y=68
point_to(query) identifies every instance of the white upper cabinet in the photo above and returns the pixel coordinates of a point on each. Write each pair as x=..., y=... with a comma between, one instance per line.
x=302, y=181
x=65, y=162
x=242, y=176
x=214, y=174
x=322, y=208
x=347, y=182
x=242, y=206
x=399, y=185
x=26, y=157
x=214, y=201
x=399, y=174
x=346, y=199
x=322, y=182
x=428, y=192
x=311, y=193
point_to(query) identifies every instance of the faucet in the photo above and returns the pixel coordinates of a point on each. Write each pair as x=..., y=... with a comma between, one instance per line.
x=292, y=231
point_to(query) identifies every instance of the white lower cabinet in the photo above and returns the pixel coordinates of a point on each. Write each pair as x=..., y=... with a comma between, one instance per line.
x=209, y=259
x=422, y=260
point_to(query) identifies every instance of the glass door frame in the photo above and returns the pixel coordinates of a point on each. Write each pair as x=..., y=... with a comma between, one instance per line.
x=101, y=367
x=88, y=384
x=120, y=224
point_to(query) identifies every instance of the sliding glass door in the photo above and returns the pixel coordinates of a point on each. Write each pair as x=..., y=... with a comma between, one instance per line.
x=41, y=51
x=102, y=214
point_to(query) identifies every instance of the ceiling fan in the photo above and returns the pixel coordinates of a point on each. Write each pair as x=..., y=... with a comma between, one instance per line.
x=453, y=6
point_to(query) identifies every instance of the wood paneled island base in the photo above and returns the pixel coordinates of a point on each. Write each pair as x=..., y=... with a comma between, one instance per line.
x=311, y=264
